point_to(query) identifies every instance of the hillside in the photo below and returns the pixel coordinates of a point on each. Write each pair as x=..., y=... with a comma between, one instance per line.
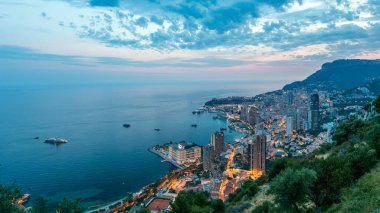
x=339, y=177
x=363, y=196
x=340, y=75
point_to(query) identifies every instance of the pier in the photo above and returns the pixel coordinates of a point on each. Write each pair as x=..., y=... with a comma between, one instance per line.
x=166, y=158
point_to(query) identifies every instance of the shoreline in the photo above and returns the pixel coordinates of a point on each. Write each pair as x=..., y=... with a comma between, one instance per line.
x=152, y=150
x=165, y=158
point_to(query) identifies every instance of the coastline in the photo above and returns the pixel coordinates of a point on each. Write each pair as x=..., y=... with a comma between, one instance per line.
x=165, y=158
x=180, y=169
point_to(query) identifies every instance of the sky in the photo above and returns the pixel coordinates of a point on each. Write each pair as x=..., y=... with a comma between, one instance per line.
x=108, y=41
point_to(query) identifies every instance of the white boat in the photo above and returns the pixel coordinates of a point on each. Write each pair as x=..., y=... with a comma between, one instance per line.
x=56, y=140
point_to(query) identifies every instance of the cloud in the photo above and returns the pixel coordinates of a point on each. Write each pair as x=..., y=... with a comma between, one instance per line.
x=200, y=25
x=231, y=27
x=8, y=52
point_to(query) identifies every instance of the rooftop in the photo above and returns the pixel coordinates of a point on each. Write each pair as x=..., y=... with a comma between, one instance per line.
x=158, y=204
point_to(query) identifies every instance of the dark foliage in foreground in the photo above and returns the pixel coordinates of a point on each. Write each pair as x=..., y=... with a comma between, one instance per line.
x=323, y=180
x=196, y=202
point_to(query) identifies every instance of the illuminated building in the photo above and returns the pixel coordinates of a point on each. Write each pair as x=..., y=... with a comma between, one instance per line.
x=257, y=153
x=254, y=116
x=208, y=157
x=314, y=111
x=290, y=123
x=217, y=141
x=244, y=112
x=182, y=153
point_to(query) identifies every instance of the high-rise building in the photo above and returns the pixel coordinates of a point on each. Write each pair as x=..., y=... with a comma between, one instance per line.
x=217, y=141
x=244, y=112
x=290, y=123
x=253, y=116
x=314, y=102
x=250, y=154
x=314, y=111
x=301, y=118
x=257, y=153
x=208, y=157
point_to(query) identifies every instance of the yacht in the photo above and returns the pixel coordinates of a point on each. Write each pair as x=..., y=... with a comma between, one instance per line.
x=56, y=140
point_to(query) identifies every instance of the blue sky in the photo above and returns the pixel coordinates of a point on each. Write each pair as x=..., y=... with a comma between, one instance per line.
x=271, y=40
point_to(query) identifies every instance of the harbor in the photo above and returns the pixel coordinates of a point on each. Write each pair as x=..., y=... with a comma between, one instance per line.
x=166, y=158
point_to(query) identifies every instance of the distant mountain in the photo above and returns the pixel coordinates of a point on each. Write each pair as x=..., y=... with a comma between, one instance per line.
x=340, y=75
x=371, y=88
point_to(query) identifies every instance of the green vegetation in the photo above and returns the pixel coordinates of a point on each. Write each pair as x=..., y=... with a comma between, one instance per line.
x=70, y=206
x=40, y=205
x=350, y=130
x=8, y=195
x=362, y=197
x=292, y=189
x=339, y=177
x=377, y=104
x=263, y=208
x=248, y=190
x=196, y=202
x=143, y=210
x=373, y=138
x=322, y=181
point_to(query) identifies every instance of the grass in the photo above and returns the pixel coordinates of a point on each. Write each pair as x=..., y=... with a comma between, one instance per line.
x=363, y=197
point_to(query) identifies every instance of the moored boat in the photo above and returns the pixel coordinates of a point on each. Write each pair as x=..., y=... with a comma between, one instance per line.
x=56, y=140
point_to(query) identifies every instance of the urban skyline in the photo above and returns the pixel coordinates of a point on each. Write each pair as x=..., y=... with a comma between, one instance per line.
x=189, y=106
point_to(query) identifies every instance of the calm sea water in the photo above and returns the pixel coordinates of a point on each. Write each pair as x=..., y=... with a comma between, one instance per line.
x=102, y=161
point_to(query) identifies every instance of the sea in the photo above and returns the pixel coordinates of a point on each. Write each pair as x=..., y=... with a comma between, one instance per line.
x=103, y=161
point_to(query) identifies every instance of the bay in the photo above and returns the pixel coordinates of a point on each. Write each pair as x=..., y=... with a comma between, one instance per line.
x=102, y=161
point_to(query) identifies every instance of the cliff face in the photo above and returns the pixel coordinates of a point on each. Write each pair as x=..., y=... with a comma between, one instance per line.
x=340, y=75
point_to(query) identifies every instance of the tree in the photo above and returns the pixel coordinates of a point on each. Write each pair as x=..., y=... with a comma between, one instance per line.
x=218, y=206
x=182, y=203
x=277, y=166
x=200, y=199
x=249, y=189
x=373, y=138
x=143, y=210
x=348, y=130
x=192, y=202
x=70, y=206
x=263, y=208
x=333, y=173
x=8, y=195
x=292, y=188
x=377, y=104
x=362, y=159
x=40, y=205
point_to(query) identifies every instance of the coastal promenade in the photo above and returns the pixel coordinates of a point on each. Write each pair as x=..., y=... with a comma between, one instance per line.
x=166, y=158
x=111, y=206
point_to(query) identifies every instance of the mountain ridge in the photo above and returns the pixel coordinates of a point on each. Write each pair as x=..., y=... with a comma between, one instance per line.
x=340, y=74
